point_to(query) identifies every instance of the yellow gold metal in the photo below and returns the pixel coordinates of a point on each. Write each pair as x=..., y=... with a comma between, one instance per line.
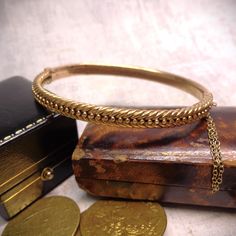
x=127, y=117
x=47, y=174
x=118, y=218
x=218, y=167
x=25, y=167
x=50, y=216
x=17, y=198
x=137, y=118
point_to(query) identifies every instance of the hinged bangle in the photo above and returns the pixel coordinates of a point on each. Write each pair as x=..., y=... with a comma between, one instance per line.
x=126, y=117
x=137, y=118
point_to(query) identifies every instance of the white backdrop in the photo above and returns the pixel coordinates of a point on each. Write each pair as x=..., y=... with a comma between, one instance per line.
x=196, y=39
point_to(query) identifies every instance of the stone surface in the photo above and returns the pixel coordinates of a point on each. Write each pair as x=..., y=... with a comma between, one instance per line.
x=195, y=39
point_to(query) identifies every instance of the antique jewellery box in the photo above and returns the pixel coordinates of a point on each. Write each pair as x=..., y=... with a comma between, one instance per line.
x=171, y=165
x=35, y=147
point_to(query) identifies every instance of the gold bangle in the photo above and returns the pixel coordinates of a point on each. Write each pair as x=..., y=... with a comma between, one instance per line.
x=126, y=117
x=137, y=118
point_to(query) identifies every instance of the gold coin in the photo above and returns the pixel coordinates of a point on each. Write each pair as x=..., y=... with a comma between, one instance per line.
x=49, y=216
x=123, y=218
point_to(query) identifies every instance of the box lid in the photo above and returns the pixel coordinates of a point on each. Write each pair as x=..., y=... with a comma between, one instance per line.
x=19, y=111
x=29, y=134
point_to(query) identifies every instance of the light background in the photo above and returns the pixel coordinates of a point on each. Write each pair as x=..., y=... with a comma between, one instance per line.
x=196, y=39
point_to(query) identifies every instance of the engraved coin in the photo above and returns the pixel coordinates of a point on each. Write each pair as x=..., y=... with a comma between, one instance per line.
x=49, y=216
x=123, y=218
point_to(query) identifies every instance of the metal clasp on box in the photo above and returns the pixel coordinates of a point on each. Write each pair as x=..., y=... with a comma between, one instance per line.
x=47, y=174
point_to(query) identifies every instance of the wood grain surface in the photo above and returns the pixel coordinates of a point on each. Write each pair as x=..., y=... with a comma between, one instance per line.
x=196, y=39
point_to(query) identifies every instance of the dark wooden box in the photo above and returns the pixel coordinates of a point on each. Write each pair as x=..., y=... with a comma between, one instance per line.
x=35, y=147
x=169, y=165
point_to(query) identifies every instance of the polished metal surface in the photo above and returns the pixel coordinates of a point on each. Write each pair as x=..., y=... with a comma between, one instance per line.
x=123, y=218
x=50, y=216
x=125, y=117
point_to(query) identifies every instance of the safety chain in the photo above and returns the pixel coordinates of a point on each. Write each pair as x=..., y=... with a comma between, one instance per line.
x=218, y=166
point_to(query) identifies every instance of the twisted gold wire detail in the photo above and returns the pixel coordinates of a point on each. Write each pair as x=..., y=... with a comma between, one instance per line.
x=137, y=118
x=125, y=117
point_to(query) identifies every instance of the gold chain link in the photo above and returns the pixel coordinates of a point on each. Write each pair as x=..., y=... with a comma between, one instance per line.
x=218, y=167
x=135, y=118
